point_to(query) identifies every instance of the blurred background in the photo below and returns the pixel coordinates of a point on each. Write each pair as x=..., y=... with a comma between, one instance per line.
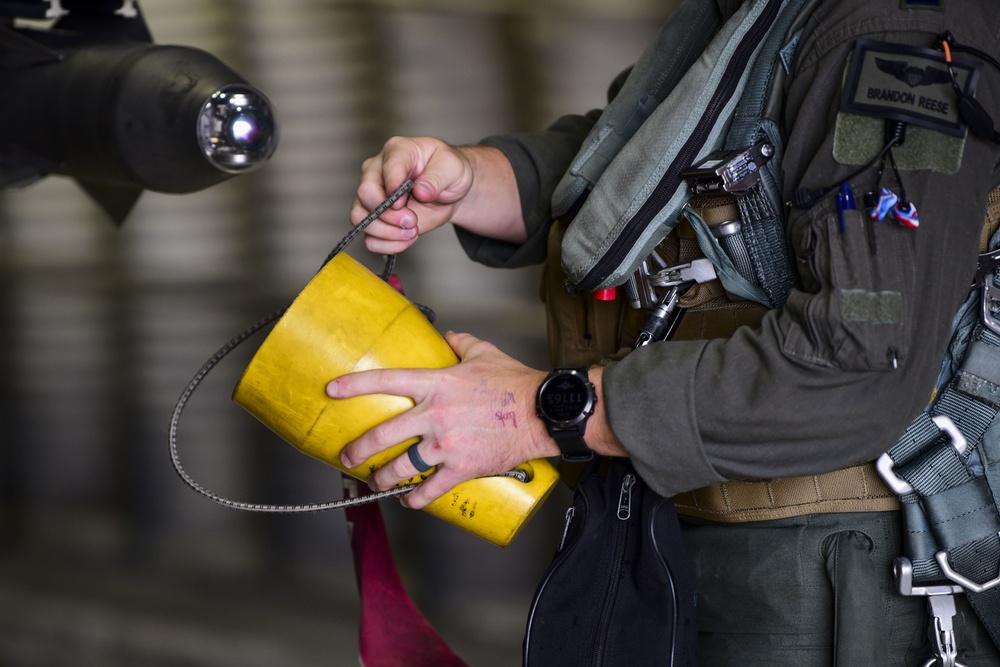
x=106, y=558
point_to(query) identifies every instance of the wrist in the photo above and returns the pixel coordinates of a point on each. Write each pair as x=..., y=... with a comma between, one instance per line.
x=492, y=205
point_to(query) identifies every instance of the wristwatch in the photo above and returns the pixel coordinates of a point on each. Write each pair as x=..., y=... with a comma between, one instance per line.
x=565, y=400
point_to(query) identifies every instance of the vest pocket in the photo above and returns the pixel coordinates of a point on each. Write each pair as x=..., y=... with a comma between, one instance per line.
x=851, y=313
x=582, y=330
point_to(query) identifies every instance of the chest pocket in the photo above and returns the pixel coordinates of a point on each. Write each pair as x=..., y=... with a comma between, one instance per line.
x=851, y=311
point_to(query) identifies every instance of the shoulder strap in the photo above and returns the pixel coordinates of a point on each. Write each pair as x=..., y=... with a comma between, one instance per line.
x=678, y=44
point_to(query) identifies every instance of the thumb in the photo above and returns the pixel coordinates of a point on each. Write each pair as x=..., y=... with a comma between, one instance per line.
x=446, y=178
x=461, y=343
x=425, y=189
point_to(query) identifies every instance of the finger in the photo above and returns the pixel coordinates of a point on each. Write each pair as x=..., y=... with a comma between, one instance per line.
x=403, y=217
x=395, y=381
x=461, y=343
x=445, y=179
x=402, y=468
x=388, y=230
x=401, y=159
x=379, y=438
x=383, y=247
x=441, y=482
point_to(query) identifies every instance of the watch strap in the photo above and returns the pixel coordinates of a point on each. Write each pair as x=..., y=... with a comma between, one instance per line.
x=572, y=445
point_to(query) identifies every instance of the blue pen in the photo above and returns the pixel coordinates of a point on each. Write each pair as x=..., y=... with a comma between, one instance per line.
x=845, y=202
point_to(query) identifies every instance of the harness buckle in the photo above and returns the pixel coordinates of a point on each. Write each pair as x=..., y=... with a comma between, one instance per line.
x=699, y=270
x=885, y=464
x=677, y=280
x=986, y=266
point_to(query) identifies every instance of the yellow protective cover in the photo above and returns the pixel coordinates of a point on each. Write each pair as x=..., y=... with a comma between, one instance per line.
x=345, y=320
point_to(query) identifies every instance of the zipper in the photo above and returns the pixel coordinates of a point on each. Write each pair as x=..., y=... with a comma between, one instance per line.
x=543, y=584
x=618, y=558
x=671, y=179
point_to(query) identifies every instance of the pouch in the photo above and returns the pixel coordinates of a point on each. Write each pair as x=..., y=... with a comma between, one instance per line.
x=621, y=588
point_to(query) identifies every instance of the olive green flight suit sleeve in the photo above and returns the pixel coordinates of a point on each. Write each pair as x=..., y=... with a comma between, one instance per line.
x=834, y=376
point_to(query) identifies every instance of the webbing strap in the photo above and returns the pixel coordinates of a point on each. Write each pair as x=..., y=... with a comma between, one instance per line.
x=951, y=515
x=760, y=210
x=764, y=237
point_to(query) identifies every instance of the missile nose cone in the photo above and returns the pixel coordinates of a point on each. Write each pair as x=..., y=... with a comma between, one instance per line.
x=237, y=129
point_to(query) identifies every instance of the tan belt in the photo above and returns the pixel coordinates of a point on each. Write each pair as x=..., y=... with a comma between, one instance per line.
x=854, y=489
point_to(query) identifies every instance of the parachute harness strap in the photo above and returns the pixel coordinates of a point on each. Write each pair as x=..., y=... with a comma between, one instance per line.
x=249, y=331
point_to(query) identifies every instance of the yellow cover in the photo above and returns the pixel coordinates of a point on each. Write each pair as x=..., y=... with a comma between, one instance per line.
x=345, y=320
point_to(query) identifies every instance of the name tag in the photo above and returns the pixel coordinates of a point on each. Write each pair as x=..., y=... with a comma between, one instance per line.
x=908, y=83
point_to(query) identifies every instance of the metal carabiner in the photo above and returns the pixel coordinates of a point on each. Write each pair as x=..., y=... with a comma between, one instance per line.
x=942, y=609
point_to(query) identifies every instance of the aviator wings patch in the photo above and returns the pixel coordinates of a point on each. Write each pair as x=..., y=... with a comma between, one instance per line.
x=912, y=75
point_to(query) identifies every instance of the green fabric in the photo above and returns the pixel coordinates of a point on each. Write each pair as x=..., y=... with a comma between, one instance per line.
x=858, y=140
x=814, y=591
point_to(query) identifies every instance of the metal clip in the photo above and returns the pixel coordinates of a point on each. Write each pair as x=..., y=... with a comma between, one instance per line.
x=696, y=271
x=942, y=610
x=640, y=293
x=985, y=269
x=941, y=606
x=677, y=279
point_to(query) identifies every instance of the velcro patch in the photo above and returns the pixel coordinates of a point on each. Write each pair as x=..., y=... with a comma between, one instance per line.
x=907, y=83
x=921, y=4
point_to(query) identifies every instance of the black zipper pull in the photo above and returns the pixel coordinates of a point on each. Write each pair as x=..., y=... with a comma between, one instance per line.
x=625, y=498
x=569, y=519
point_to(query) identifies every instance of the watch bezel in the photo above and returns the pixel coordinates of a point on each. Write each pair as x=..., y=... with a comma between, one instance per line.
x=586, y=386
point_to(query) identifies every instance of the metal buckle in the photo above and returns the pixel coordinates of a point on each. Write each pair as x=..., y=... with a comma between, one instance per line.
x=885, y=464
x=985, y=268
x=942, y=558
x=696, y=271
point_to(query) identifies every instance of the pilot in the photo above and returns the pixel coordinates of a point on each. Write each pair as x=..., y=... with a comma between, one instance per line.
x=789, y=402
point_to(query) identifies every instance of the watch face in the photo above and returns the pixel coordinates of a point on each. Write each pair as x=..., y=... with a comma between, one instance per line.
x=565, y=399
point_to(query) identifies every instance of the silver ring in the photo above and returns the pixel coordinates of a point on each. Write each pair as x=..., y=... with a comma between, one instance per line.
x=416, y=460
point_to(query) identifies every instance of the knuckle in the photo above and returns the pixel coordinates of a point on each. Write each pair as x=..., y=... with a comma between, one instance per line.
x=400, y=467
x=379, y=438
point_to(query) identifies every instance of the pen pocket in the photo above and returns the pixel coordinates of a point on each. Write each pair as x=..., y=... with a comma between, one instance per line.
x=852, y=309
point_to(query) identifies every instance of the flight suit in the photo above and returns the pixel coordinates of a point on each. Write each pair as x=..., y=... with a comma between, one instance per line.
x=825, y=383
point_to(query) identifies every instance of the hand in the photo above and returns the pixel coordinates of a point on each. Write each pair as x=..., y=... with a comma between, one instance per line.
x=474, y=419
x=442, y=176
x=470, y=186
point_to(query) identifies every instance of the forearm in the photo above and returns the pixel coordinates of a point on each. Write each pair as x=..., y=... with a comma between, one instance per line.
x=538, y=160
x=492, y=208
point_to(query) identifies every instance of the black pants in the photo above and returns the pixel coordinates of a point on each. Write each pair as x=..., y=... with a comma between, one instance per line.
x=815, y=591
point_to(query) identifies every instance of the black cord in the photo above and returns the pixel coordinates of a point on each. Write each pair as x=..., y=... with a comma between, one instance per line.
x=805, y=198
